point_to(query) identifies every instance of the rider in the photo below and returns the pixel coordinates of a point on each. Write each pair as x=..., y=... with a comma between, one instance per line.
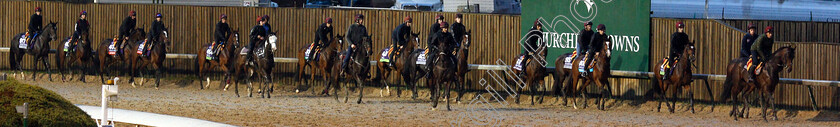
x=534, y=37
x=400, y=36
x=35, y=24
x=267, y=26
x=584, y=37
x=678, y=41
x=747, y=41
x=355, y=33
x=434, y=29
x=458, y=29
x=444, y=36
x=322, y=36
x=595, y=46
x=82, y=26
x=222, y=32
x=761, y=50
x=257, y=34
x=157, y=29
x=127, y=25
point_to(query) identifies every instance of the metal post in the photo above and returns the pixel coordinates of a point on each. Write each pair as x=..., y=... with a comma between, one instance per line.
x=813, y=100
x=709, y=90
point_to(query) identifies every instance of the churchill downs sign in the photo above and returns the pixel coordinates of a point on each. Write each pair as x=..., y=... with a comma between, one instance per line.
x=627, y=22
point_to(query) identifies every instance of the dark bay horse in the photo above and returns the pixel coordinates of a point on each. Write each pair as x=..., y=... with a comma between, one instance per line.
x=223, y=58
x=443, y=74
x=105, y=59
x=322, y=63
x=70, y=55
x=681, y=76
x=599, y=75
x=156, y=55
x=262, y=67
x=401, y=62
x=561, y=73
x=358, y=67
x=534, y=74
x=39, y=49
x=463, y=66
x=736, y=84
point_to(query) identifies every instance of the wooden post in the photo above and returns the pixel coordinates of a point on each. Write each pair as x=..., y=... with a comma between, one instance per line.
x=811, y=95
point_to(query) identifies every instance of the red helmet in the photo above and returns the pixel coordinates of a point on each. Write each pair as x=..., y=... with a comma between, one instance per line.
x=444, y=24
x=132, y=13
x=439, y=17
x=680, y=24
x=407, y=19
x=328, y=20
x=223, y=16
x=751, y=26
x=260, y=18
x=38, y=9
x=537, y=23
x=602, y=27
x=588, y=23
x=769, y=29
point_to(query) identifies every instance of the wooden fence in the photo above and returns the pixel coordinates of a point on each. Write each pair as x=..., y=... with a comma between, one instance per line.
x=795, y=31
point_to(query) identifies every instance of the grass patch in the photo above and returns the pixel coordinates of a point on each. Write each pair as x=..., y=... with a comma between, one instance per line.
x=46, y=108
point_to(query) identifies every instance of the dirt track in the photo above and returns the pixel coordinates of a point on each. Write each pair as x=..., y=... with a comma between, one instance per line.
x=286, y=108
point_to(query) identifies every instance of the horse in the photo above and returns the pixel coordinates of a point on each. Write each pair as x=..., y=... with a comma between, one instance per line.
x=681, y=77
x=105, y=59
x=600, y=73
x=156, y=55
x=463, y=66
x=40, y=49
x=765, y=82
x=443, y=74
x=70, y=55
x=534, y=74
x=322, y=62
x=384, y=69
x=561, y=73
x=262, y=66
x=358, y=67
x=223, y=60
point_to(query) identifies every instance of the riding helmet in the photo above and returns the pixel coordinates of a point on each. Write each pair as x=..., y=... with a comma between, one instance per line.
x=38, y=9
x=132, y=13
x=537, y=23
x=83, y=13
x=769, y=29
x=751, y=26
x=407, y=19
x=444, y=24
x=439, y=17
x=328, y=20
x=224, y=16
x=680, y=24
x=359, y=17
x=588, y=23
x=459, y=15
x=158, y=15
x=602, y=27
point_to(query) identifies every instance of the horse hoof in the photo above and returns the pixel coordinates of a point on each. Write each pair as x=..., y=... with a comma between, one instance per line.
x=132, y=85
x=156, y=87
x=226, y=87
x=434, y=109
x=297, y=91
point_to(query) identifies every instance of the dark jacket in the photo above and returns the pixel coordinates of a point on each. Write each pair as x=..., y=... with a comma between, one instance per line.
x=257, y=31
x=458, y=31
x=82, y=26
x=400, y=34
x=157, y=29
x=534, y=36
x=763, y=47
x=678, y=42
x=584, y=38
x=433, y=32
x=127, y=25
x=222, y=31
x=355, y=33
x=597, y=43
x=444, y=38
x=267, y=29
x=35, y=22
x=323, y=34
x=746, y=44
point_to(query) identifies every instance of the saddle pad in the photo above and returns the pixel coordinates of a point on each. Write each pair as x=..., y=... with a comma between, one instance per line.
x=421, y=59
x=67, y=45
x=385, y=55
x=141, y=47
x=308, y=50
x=244, y=51
x=22, y=42
x=757, y=69
x=568, y=61
x=518, y=63
x=112, y=50
x=582, y=65
x=209, y=53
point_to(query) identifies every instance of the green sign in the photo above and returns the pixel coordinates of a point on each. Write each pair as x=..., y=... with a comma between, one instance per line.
x=627, y=22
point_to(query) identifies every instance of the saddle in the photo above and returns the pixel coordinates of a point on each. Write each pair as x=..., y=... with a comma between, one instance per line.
x=309, y=50
x=143, y=50
x=23, y=43
x=518, y=65
x=212, y=52
x=750, y=64
x=421, y=59
x=568, y=60
x=70, y=44
x=666, y=65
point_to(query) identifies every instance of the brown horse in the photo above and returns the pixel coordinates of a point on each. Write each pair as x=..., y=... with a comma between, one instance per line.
x=261, y=66
x=105, y=60
x=40, y=49
x=156, y=55
x=384, y=69
x=681, y=77
x=443, y=74
x=321, y=64
x=561, y=73
x=600, y=73
x=534, y=74
x=463, y=66
x=358, y=67
x=70, y=55
x=222, y=60
x=765, y=82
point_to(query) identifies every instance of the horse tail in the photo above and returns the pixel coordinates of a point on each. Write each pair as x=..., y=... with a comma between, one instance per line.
x=730, y=80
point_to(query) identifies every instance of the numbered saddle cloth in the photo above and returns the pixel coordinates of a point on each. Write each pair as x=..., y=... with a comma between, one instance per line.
x=518, y=64
x=421, y=59
x=112, y=48
x=141, y=47
x=210, y=53
x=309, y=50
x=386, y=54
x=568, y=60
x=67, y=45
x=22, y=42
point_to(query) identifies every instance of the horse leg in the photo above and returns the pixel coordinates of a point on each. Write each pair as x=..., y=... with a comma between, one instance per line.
x=47, y=66
x=236, y=88
x=250, y=89
x=346, y=92
x=434, y=94
x=157, y=75
x=763, y=106
x=690, y=97
x=360, y=84
x=35, y=70
x=533, y=88
x=772, y=102
x=448, y=84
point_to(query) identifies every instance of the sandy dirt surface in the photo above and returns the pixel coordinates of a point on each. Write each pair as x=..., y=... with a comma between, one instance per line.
x=287, y=108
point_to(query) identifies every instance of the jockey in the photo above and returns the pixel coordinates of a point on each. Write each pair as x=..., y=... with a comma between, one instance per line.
x=222, y=32
x=595, y=46
x=400, y=36
x=584, y=37
x=127, y=25
x=761, y=50
x=82, y=26
x=458, y=29
x=322, y=36
x=35, y=24
x=355, y=33
x=747, y=41
x=443, y=37
x=533, y=41
x=434, y=29
x=257, y=34
x=678, y=41
x=267, y=26
x=157, y=29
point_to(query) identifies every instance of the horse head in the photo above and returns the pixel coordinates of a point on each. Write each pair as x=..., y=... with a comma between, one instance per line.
x=466, y=39
x=233, y=39
x=50, y=30
x=785, y=55
x=272, y=42
x=607, y=50
x=340, y=39
x=690, y=51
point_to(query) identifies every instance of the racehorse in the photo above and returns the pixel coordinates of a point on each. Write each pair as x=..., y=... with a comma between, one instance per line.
x=599, y=74
x=261, y=66
x=358, y=67
x=322, y=63
x=401, y=63
x=105, y=59
x=70, y=55
x=39, y=49
x=463, y=66
x=681, y=76
x=561, y=73
x=155, y=54
x=443, y=74
x=766, y=81
x=222, y=58
x=534, y=74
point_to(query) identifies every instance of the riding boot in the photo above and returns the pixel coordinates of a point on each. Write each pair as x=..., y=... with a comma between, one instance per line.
x=524, y=65
x=751, y=72
x=667, y=70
